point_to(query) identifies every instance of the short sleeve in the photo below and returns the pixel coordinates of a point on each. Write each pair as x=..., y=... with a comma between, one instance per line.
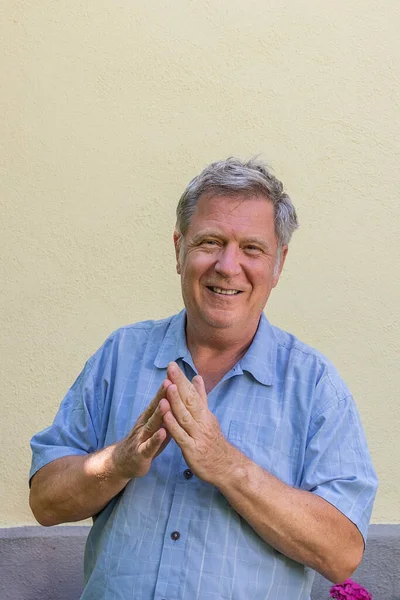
x=338, y=465
x=75, y=429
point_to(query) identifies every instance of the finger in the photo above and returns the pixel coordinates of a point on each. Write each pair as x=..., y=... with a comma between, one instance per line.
x=177, y=376
x=180, y=436
x=180, y=412
x=186, y=389
x=146, y=414
x=198, y=383
x=152, y=446
x=163, y=445
x=155, y=420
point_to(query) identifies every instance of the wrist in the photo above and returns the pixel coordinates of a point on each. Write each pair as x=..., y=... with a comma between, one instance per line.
x=105, y=464
x=231, y=470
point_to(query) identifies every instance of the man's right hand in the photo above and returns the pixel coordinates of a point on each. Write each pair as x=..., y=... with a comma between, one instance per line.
x=73, y=488
x=134, y=454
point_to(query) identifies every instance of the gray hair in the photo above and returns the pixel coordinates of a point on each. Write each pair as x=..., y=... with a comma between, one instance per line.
x=234, y=176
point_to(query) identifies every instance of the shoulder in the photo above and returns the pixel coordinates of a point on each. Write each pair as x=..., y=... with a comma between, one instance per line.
x=141, y=330
x=309, y=367
x=131, y=340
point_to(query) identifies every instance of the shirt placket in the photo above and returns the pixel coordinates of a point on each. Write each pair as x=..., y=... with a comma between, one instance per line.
x=172, y=563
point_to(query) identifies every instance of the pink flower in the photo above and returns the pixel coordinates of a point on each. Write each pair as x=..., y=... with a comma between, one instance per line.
x=349, y=590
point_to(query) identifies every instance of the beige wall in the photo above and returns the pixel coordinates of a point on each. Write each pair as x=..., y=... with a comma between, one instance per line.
x=111, y=107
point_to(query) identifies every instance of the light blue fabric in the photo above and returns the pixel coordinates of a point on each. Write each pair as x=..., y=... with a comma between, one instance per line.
x=283, y=405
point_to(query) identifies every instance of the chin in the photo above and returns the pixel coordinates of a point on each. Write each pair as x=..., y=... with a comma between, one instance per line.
x=220, y=321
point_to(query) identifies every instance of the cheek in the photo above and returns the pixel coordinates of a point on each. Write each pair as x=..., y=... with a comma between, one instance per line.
x=198, y=264
x=262, y=283
x=260, y=275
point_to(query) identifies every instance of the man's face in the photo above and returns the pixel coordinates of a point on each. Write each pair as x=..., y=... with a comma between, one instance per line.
x=227, y=262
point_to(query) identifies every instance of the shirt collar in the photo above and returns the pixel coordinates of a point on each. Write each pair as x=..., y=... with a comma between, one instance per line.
x=173, y=345
x=259, y=360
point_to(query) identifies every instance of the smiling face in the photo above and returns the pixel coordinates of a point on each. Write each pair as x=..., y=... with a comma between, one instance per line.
x=227, y=264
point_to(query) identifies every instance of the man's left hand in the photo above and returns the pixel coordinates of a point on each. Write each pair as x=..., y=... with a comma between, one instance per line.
x=194, y=428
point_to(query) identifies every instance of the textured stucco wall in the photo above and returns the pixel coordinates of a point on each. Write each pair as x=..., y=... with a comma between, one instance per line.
x=110, y=108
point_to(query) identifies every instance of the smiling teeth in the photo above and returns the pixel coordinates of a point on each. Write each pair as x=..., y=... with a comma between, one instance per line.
x=226, y=292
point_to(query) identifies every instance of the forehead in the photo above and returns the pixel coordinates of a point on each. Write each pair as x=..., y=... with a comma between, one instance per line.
x=240, y=212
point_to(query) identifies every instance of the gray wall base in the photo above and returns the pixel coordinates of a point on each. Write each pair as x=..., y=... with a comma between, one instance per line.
x=37, y=563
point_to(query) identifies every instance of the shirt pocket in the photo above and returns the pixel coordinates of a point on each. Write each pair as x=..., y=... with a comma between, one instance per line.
x=275, y=449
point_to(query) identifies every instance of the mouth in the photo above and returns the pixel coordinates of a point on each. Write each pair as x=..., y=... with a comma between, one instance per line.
x=223, y=291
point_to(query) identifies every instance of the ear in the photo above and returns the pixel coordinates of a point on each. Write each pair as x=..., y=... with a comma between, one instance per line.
x=177, y=243
x=278, y=270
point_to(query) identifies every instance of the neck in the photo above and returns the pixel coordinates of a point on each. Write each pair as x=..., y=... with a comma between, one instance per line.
x=215, y=353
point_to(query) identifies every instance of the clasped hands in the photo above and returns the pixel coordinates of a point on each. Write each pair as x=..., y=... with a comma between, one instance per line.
x=179, y=411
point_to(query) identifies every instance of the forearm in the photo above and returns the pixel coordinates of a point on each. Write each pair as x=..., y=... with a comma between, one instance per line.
x=295, y=522
x=74, y=488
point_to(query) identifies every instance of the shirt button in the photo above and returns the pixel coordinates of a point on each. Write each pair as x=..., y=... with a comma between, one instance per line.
x=175, y=535
x=188, y=474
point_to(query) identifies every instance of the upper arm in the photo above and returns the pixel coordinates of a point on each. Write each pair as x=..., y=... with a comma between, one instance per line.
x=75, y=429
x=337, y=463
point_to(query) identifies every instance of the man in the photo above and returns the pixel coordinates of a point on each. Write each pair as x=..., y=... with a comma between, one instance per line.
x=218, y=456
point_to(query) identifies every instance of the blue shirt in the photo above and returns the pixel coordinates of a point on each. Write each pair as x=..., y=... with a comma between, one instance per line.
x=170, y=535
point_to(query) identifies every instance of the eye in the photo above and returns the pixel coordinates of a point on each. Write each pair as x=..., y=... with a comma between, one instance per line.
x=209, y=243
x=251, y=249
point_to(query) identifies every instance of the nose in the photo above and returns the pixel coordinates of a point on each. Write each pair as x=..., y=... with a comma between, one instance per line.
x=228, y=263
